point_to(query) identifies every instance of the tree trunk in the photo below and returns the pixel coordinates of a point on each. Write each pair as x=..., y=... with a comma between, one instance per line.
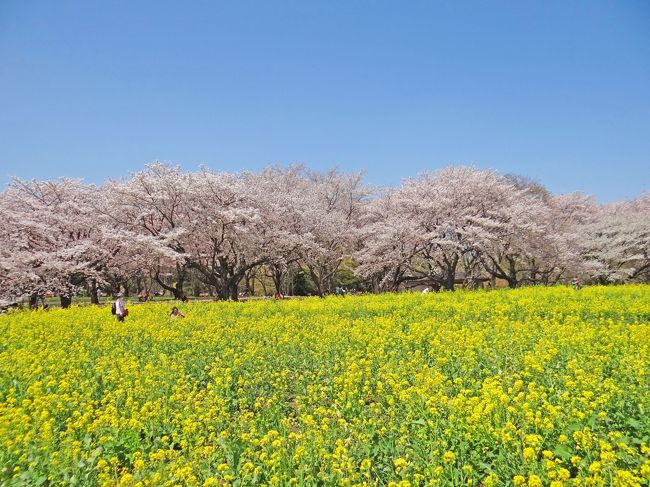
x=222, y=293
x=512, y=277
x=180, y=281
x=92, y=290
x=276, y=274
x=249, y=283
x=317, y=280
x=449, y=279
x=234, y=292
x=33, y=301
x=66, y=301
x=449, y=282
x=177, y=291
x=494, y=268
x=138, y=285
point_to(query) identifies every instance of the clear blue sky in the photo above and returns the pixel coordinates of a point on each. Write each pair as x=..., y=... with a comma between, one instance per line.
x=555, y=90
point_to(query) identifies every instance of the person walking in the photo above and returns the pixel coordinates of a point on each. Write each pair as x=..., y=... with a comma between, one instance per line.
x=118, y=308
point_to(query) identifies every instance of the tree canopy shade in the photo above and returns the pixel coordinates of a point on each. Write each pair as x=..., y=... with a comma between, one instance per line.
x=167, y=226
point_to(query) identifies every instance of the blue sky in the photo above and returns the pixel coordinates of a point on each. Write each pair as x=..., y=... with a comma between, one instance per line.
x=556, y=90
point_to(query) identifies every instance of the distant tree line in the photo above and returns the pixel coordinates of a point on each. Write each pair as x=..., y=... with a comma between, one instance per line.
x=304, y=231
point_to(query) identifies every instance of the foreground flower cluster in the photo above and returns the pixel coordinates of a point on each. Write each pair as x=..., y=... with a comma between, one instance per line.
x=532, y=387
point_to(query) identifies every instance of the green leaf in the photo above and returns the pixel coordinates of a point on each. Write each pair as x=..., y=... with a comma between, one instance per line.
x=485, y=466
x=563, y=451
x=574, y=427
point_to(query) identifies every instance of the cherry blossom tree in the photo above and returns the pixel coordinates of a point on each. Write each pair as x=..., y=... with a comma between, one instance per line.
x=167, y=226
x=426, y=228
x=148, y=215
x=283, y=195
x=616, y=243
x=332, y=206
x=517, y=237
x=50, y=240
x=389, y=243
x=228, y=232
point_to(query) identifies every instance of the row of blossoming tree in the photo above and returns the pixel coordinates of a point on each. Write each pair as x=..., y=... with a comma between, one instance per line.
x=169, y=227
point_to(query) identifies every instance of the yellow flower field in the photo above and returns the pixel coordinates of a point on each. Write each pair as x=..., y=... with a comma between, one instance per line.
x=536, y=386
